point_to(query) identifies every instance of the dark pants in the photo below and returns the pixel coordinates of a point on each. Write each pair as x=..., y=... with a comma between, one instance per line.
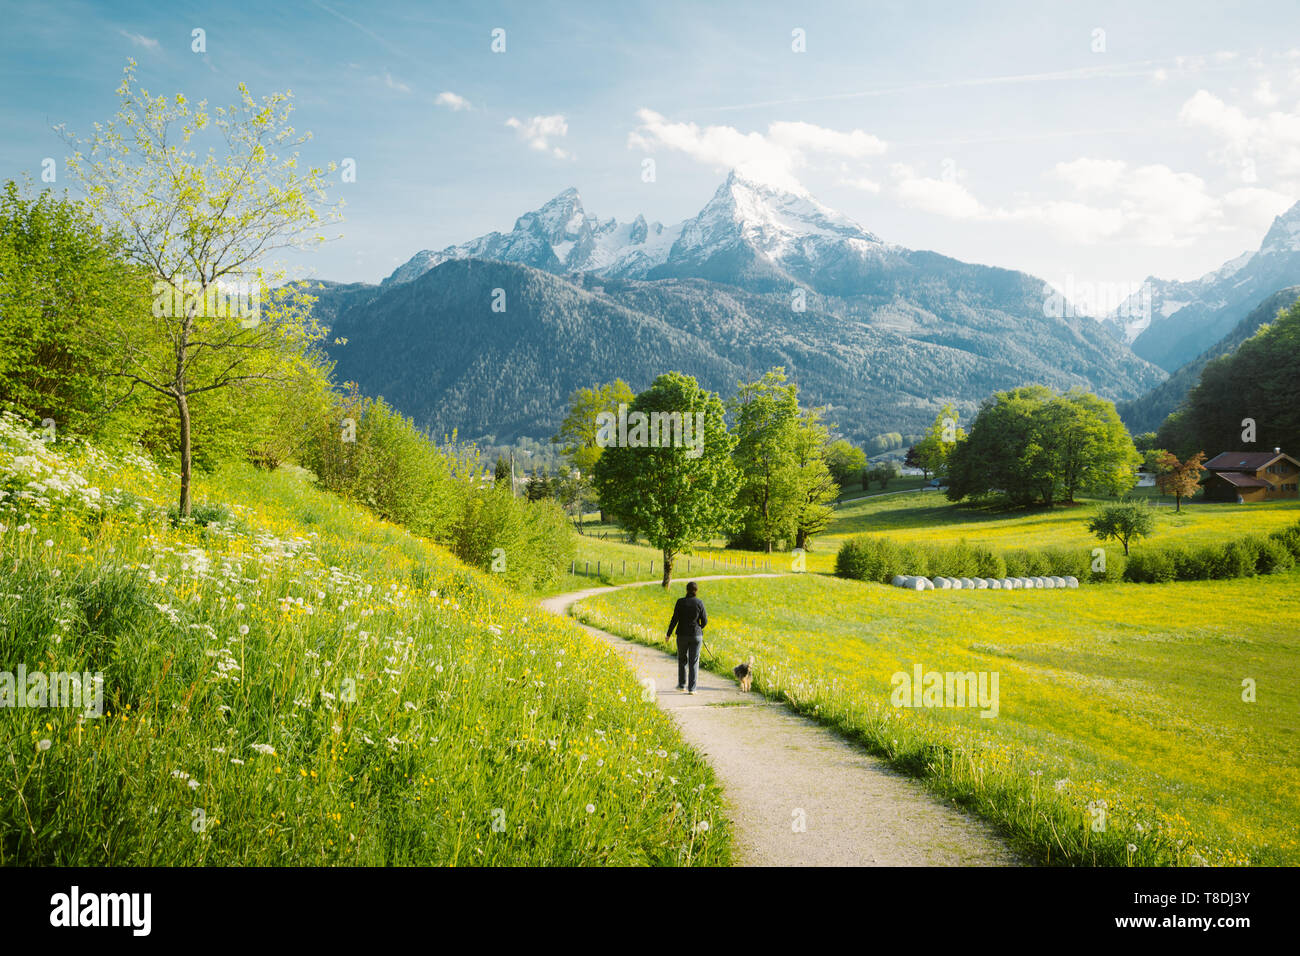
x=688, y=658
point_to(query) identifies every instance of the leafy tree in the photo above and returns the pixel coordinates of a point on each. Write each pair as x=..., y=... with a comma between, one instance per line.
x=1180, y=479
x=913, y=459
x=502, y=470
x=577, y=434
x=63, y=282
x=1001, y=452
x=203, y=227
x=1088, y=446
x=1124, y=521
x=1256, y=382
x=845, y=462
x=816, y=486
x=882, y=473
x=663, y=493
x=1153, y=460
x=539, y=485
x=933, y=449
x=1032, y=445
x=766, y=414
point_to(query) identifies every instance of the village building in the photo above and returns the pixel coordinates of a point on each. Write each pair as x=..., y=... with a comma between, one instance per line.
x=1249, y=476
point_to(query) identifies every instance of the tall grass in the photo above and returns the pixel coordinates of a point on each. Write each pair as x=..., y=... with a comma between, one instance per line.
x=302, y=683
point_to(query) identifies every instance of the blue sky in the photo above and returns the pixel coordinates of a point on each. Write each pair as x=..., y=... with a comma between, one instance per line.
x=1014, y=135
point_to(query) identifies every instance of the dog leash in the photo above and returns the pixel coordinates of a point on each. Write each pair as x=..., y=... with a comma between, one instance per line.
x=704, y=647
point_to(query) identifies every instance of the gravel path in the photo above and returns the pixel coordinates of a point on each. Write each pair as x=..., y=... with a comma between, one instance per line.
x=779, y=770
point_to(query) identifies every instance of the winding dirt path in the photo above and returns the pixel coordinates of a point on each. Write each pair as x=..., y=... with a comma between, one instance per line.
x=779, y=770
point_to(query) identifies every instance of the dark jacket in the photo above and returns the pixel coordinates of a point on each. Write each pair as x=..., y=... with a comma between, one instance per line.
x=688, y=618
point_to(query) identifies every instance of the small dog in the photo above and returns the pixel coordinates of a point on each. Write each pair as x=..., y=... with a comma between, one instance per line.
x=745, y=674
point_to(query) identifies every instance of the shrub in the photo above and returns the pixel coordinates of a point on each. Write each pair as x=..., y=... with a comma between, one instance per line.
x=880, y=559
x=1191, y=564
x=1069, y=562
x=1236, y=559
x=989, y=564
x=1289, y=538
x=528, y=543
x=1017, y=563
x=1150, y=567
x=911, y=558
x=871, y=559
x=1273, y=557
x=1116, y=565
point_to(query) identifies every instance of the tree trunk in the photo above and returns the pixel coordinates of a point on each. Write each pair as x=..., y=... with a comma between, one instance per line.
x=668, y=569
x=183, y=409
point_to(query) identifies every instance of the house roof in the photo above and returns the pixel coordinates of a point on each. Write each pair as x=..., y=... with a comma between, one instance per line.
x=1245, y=460
x=1241, y=480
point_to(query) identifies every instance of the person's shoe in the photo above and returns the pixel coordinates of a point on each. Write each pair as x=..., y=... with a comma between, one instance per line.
x=691, y=692
x=681, y=686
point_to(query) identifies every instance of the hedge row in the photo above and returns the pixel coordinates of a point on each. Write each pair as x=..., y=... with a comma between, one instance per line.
x=1242, y=558
x=869, y=558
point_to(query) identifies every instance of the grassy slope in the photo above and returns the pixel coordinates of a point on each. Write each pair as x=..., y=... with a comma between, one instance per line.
x=470, y=707
x=1130, y=694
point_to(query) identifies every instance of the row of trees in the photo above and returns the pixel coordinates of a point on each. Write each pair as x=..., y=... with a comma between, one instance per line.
x=1032, y=445
x=762, y=482
x=1244, y=400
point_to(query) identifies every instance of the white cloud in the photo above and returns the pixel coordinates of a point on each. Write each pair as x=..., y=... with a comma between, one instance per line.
x=1272, y=139
x=1252, y=207
x=805, y=138
x=540, y=130
x=943, y=197
x=1113, y=201
x=394, y=84
x=772, y=157
x=138, y=39
x=452, y=100
x=1091, y=174
x=862, y=183
x=1264, y=94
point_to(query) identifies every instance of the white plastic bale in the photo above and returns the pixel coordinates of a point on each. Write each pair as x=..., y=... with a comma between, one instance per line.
x=1071, y=582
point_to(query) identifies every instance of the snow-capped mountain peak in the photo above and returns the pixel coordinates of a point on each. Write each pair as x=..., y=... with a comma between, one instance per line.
x=1284, y=235
x=1184, y=318
x=560, y=219
x=785, y=226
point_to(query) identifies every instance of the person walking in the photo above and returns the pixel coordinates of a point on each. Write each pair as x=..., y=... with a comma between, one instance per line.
x=688, y=620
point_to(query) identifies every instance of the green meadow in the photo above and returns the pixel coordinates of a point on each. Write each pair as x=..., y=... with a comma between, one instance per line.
x=288, y=680
x=1121, y=735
